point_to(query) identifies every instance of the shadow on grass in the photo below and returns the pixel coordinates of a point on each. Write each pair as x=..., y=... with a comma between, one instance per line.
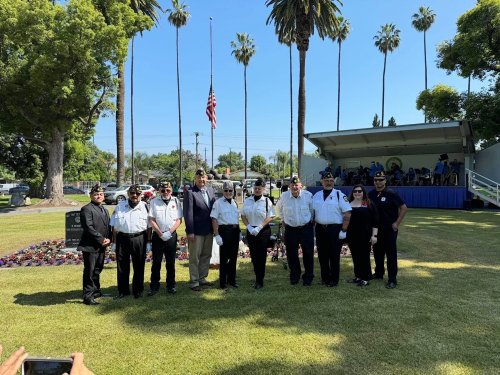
x=54, y=298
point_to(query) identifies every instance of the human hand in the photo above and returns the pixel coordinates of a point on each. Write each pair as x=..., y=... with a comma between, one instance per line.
x=342, y=235
x=14, y=362
x=257, y=229
x=218, y=240
x=149, y=246
x=78, y=367
x=106, y=242
x=191, y=236
x=166, y=235
x=373, y=240
x=113, y=247
x=395, y=226
x=250, y=229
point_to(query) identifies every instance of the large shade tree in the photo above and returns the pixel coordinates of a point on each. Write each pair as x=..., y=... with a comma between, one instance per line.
x=422, y=21
x=178, y=17
x=55, y=70
x=339, y=37
x=243, y=51
x=301, y=18
x=386, y=40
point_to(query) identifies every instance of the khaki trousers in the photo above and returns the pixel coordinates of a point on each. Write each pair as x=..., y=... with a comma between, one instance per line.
x=200, y=252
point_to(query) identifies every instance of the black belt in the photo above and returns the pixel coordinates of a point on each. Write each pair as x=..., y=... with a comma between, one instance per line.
x=328, y=225
x=131, y=235
x=298, y=227
x=229, y=226
x=264, y=227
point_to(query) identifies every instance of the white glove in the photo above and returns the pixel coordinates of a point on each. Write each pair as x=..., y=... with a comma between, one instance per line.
x=257, y=229
x=342, y=235
x=250, y=229
x=373, y=240
x=149, y=246
x=166, y=235
x=113, y=247
x=218, y=240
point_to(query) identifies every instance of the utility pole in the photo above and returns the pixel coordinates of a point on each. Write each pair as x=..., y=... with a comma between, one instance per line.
x=196, y=134
x=205, y=155
x=230, y=159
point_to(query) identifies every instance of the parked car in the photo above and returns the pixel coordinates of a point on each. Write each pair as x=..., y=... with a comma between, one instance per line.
x=120, y=193
x=67, y=190
x=19, y=189
x=4, y=188
x=110, y=186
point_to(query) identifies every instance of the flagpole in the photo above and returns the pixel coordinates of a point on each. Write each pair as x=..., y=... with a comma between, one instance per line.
x=211, y=101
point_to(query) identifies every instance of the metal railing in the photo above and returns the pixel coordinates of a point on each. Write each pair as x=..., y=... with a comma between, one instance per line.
x=484, y=187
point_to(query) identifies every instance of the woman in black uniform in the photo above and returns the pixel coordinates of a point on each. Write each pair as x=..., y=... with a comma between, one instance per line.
x=361, y=234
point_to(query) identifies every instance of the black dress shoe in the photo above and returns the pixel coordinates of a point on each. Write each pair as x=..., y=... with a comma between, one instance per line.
x=152, y=293
x=332, y=285
x=207, y=283
x=258, y=286
x=172, y=290
x=363, y=283
x=196, y=288
x=234, y=285
x=391, y=285
x=306, y=283
x=90, y=302
x=354, y=281
x=120, y=296
x=138, y=295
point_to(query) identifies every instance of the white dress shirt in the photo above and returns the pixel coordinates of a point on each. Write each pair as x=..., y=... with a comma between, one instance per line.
x=224, y=212
x=165, y=215
x=331, y=209
x=255, y=211
x=126, y=219
x=296, y=211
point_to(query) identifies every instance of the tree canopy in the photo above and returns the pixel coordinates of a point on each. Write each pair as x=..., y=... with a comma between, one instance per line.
x=441, y=103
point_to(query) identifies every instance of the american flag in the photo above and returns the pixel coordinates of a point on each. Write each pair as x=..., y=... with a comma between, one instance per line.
x=211, y=104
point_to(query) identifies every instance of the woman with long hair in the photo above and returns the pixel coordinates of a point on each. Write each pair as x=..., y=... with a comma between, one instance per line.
x=361, y=234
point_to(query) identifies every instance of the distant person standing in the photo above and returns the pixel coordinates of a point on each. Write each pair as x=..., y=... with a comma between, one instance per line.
x=438, y=172
x=295, y=209
x=197, y=205
x=257, y=213
x=391, y=210
x=165, y=216
x=95, y=238
x=226, y=226
x=332, y=213
x=131, y=235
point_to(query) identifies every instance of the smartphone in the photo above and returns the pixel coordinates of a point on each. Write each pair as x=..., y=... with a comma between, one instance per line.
x=46, y=366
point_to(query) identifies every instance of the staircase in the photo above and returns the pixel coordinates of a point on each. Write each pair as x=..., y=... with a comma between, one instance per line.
x=483, y=187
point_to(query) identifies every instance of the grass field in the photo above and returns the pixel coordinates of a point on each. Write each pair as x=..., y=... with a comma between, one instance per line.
x=444, y=317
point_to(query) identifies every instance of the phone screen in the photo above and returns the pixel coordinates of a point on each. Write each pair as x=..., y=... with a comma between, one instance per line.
x=46, y=366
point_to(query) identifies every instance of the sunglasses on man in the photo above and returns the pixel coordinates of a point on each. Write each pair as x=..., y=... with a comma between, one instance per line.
x=227, y=191
x=165, y=190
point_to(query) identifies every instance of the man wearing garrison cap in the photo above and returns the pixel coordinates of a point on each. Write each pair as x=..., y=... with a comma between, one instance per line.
x=95, y=238
x=197, y=205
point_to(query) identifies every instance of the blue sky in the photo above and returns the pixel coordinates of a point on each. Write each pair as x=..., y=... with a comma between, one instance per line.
x=155, y=90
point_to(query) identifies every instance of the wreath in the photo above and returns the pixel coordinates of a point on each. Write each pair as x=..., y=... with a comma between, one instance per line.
x=394, y=159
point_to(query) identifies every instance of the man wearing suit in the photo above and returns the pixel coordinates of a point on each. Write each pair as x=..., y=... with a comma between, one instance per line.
x=197, y=206
x=95, y=238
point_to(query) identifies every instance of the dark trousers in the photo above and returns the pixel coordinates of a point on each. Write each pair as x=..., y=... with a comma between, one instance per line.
x=92, y=267
x=303, y=236
x=135, y=248
x=168, y=249
x=329, y=246
x=360, y=252
x=258, y=252
x=386, y=245
x=228, y=254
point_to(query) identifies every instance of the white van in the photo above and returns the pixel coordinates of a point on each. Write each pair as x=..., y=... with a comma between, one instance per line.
x=4, y=188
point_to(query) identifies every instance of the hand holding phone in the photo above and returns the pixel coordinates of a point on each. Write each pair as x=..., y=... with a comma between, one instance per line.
x=13, y=363
x=46, y=366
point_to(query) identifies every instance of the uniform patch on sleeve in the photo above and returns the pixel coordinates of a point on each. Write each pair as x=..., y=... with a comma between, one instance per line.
x=346, y=199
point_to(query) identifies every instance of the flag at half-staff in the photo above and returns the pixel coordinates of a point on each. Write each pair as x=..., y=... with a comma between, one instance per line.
x=211, y=104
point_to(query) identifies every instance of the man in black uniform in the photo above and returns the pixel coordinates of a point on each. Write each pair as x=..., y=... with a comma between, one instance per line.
x=95, y=238
x=392, y=210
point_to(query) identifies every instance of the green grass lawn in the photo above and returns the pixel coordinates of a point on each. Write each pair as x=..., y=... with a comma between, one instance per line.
x=444, y=317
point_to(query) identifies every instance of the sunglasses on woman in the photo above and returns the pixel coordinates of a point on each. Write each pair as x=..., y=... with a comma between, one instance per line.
x=357, y=191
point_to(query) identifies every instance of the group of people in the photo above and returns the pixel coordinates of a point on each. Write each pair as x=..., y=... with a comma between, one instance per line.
x=364, y=221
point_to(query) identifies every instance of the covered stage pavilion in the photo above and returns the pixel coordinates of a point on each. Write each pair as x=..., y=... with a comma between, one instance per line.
x=415, y=146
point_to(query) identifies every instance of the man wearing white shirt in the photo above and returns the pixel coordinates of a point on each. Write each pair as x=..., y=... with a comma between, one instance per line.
x=165, y=217
x=332, y=212
x=296, y=211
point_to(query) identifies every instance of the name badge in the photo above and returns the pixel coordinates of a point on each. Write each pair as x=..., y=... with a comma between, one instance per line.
x=382, y=199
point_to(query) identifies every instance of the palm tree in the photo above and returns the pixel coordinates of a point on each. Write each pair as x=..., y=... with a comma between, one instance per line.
x=289, y=40
x=178, y=17
x=340, y=36
x=301, y=18
x=422, y=21
x=243, y=50
x=386, y=40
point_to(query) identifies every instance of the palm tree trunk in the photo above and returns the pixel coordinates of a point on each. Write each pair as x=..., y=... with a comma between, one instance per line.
x=120, y=124
x=291, y=116
x=302, y=108
x=246, y=144
x=383, y=90
x=179, y=105
x=338, y=89
x=132, y=110
x=425, y=70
